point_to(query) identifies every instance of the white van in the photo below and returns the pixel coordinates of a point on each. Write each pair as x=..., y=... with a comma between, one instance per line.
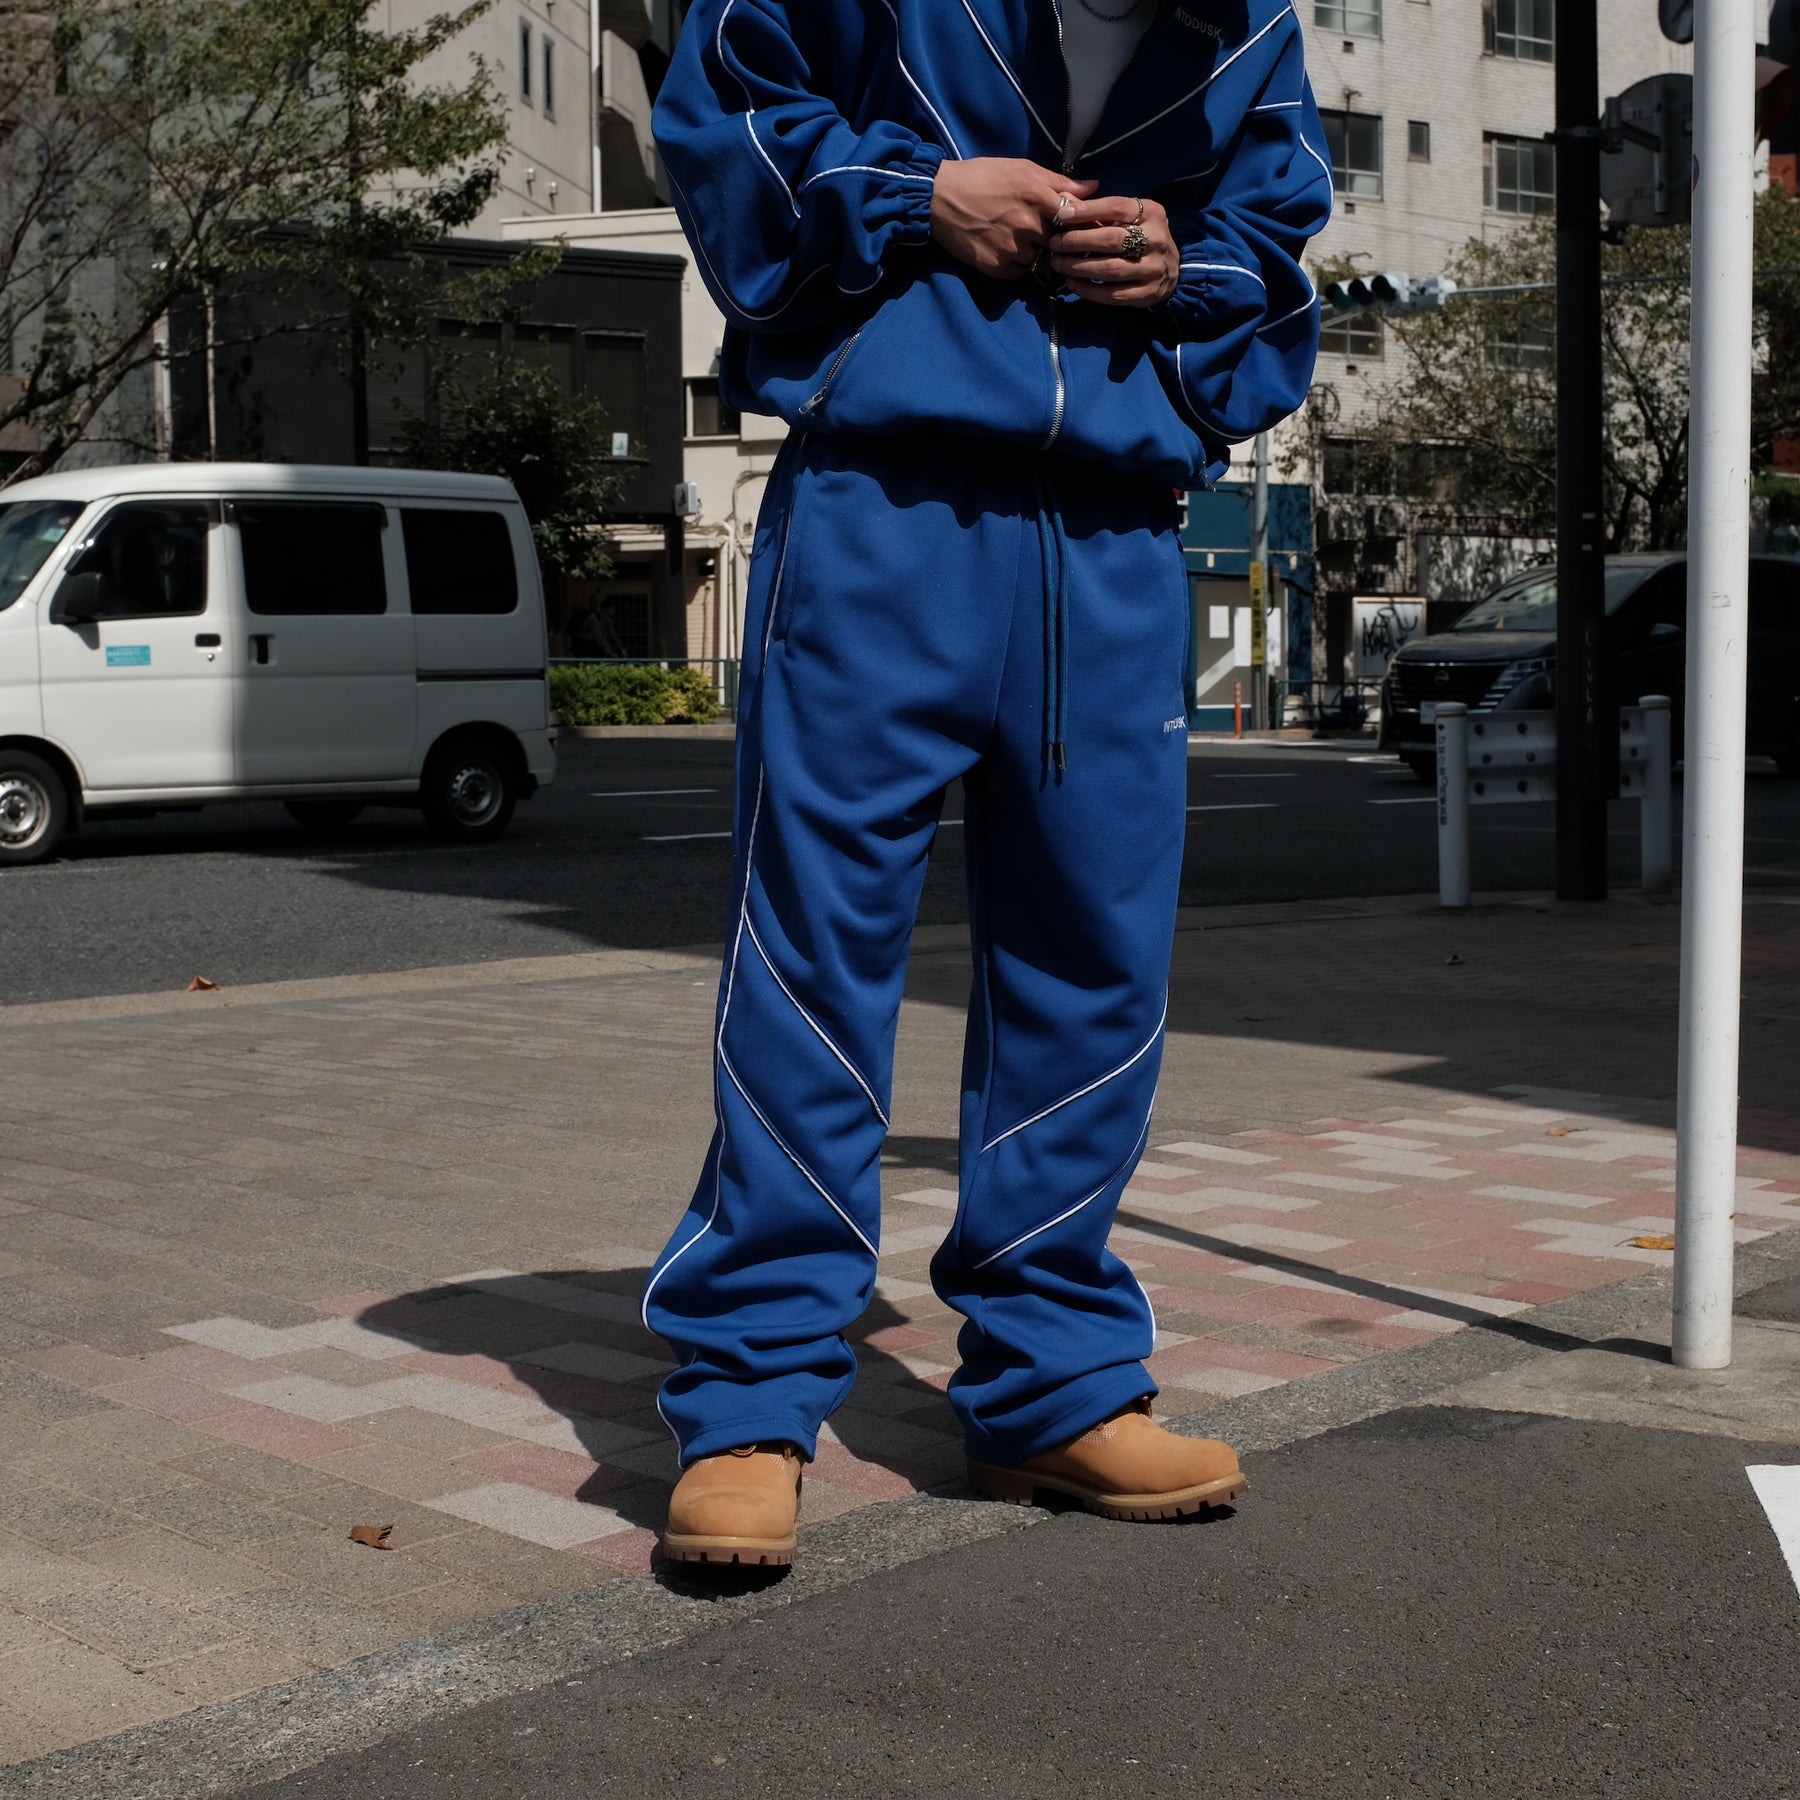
x=174, y=635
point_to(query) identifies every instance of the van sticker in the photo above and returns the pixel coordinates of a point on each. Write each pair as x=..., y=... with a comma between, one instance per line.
x=128, y=656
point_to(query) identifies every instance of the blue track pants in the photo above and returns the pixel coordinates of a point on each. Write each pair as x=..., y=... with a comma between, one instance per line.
x=922, y=611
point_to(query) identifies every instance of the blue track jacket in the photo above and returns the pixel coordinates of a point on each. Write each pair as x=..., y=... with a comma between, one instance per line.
x=801, y=138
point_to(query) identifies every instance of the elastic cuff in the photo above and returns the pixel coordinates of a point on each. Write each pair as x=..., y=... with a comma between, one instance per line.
x=1085, y=1403
x=913, y=222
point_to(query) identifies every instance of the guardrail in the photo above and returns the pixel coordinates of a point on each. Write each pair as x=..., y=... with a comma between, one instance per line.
x=723, y=671
x=1494, y=759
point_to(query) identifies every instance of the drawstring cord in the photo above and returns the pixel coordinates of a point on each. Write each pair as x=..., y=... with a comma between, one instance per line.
x=1053, y=543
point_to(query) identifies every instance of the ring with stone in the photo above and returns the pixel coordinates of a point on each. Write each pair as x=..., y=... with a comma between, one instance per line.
x=1135, y=244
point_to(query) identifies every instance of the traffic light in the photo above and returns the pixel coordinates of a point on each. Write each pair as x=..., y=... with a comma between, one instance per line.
x=1392, y=294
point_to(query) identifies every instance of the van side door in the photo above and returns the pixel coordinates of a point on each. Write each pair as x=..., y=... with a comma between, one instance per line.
x=1774, y=656
x=330, y=690
x=135, y=651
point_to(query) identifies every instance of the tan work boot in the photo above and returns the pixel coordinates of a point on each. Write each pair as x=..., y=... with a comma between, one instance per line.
x=738, y=1507
x=1126, y=1467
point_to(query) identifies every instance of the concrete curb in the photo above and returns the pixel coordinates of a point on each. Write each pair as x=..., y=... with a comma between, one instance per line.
x=241, y=1744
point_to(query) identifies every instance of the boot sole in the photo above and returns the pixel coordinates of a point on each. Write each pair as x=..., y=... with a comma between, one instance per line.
x=1017, y=1488
x=774, y=1553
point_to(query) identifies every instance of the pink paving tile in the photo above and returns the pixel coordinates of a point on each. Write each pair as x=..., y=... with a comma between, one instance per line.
x=206, y=1367
x=1253, y=1359
x=836, y=1465
x=476, y=1371
x=279, y=1433
x=1534, y=1293
x=350, y=1306
x=632, y=1552
x=899, y=1337
x=550, y=1471
x=172, y=1398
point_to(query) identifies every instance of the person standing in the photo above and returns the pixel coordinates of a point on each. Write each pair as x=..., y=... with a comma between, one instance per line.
x=1014, y=272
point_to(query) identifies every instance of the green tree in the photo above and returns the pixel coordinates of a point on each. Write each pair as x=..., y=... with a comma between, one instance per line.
x=1474, y=393
x=151, y=149
x=498, y=415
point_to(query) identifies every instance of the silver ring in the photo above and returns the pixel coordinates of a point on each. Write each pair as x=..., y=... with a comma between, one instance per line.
x=1135, y=244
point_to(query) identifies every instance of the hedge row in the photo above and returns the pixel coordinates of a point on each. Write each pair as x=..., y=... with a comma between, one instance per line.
x=631, y=694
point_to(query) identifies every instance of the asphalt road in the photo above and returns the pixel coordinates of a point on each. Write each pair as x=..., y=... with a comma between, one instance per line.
x=631, y=848
x=1436, y=1602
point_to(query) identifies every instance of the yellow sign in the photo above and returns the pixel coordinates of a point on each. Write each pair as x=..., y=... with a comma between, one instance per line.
x=1259, y=617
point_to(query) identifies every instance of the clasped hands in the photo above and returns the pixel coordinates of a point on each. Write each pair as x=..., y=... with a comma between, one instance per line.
x=998, y=214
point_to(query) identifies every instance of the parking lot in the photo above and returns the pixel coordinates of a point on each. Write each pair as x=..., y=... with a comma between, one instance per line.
x=631, y=848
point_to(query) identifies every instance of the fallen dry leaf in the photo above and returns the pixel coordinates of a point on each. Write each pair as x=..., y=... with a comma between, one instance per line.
x=200, y=985
x=1652, y=1243
x=375, y=1536
x=1560, y=1131
x=1451, y=962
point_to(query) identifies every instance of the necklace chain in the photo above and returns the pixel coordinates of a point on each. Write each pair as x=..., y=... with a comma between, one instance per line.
x=1088, y=7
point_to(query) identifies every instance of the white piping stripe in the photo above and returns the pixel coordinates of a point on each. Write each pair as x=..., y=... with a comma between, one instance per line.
x=1049, y=1224
x=1229, y=269
x=1323, y=164
x=736, y=941
x=1010, y=76
x=954, y=148
x=781, y=1144
x=1298, y=310
x=697, y=240
x=1275, y=106
x=865, y=169
x=793, y=204
x=1249, y=43
x=1136, y=1056
x=750, y=107
x=818, y=1030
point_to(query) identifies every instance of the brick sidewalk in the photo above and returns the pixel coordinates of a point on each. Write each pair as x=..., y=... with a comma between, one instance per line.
x=282, y=1263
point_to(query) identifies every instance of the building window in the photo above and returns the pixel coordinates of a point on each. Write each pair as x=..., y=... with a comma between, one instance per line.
x=1523, y=347
x=525, y=61
x=1361, y=336
x=1518, y=175
x=616, y=374
x=1418, y=140
x=1349, y=18
x=1354, y=143
x=549, y=78
x=708, y=415
x=1522, y=29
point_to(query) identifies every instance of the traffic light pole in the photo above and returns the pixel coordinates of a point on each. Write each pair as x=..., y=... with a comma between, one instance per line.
x=1712, y=875
x=1586, y=714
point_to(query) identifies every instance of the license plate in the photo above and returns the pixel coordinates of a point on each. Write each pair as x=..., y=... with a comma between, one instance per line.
x=1428, y=712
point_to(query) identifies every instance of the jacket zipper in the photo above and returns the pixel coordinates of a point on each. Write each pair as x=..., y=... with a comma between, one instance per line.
x=1068, y=166
x=811, y=407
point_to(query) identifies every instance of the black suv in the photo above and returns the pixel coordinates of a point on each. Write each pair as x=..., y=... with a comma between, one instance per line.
x=1500, y=656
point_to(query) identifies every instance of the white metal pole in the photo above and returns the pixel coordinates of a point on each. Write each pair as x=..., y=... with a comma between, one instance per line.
x=1453, y=803
x=1718, y=581
x=1655, y=812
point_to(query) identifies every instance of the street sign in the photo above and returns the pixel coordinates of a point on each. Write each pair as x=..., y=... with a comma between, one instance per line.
x=1645, y=180
x=1259, y=617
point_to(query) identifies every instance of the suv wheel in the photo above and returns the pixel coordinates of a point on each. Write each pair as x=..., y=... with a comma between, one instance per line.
x=34, y=808
x=469, y=789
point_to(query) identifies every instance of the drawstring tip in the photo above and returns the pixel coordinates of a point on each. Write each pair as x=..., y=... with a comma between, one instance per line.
x=1062, y=762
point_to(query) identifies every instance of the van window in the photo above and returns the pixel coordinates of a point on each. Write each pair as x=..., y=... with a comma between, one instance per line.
x=151, y=560
x=29, y=531
x=459, y=562
x=312, y=558
x=1774, y=597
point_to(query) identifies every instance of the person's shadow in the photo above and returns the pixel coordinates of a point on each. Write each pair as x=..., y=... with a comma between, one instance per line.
x=573, y=1338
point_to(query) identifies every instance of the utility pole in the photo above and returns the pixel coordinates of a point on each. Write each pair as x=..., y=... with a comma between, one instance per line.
x=1259, y=587
x=1586, y=713
x=1712, y=876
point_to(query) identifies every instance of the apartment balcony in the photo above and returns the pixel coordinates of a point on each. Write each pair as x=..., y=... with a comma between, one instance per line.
x=627, y=154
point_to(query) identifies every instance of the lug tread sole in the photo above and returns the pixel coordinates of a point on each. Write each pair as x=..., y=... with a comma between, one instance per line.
x=1015, y=1488
x=746, y=1552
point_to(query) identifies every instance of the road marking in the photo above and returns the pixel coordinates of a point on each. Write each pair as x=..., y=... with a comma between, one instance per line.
x=1261, y=775
x=1778, y=1488
x=1408, y=800
x=685, y=837
x=1389, y=760
x=1238, y=806
x=646, y=793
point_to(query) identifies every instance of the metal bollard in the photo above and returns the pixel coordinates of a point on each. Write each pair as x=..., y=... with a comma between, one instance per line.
x=1453, y=803
x=1656, y=810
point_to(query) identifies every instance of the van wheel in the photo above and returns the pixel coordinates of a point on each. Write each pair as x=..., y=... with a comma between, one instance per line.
x=469, y=790
x=34, y=808
x=325, y=815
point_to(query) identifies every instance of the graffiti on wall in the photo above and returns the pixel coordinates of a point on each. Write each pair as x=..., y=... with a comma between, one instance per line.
x=1380, y=625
